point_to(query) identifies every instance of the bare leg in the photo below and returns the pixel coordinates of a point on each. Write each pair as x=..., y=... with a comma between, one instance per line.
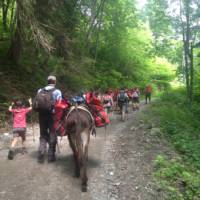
x=12, y=147
x=14, y=142
x=24, y=150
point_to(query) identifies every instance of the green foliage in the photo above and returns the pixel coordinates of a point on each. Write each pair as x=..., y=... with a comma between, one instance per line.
x=87, y=44
x=180, y=124
x=161, y=26
x=177, y=179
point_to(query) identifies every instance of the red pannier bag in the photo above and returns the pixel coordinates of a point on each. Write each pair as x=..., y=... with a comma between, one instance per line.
x=60, y=107
x=100, y=117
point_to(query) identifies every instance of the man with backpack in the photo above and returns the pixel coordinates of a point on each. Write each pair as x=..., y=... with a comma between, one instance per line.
x=44, y=103
x=122, y=100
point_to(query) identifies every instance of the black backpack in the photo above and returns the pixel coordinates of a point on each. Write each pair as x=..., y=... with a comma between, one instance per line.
x=43, y=101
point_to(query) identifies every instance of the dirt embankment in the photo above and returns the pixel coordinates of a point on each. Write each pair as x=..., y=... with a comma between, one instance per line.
x=120, y=166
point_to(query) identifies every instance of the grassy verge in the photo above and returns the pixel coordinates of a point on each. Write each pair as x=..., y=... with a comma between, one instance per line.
x=180, y=176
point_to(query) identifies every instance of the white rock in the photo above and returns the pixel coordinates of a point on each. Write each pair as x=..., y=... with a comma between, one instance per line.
x=133, y=128
x=117, y=184
x=111, y=173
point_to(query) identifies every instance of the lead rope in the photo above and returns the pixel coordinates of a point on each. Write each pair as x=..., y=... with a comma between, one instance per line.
x=58, y=147
x=105, y=132
x=33, y=129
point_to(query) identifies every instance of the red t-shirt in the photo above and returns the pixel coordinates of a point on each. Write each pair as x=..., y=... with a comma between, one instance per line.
x=148, y=89
x=19, y=117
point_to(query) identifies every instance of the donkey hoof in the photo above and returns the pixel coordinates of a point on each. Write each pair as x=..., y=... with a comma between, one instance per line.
x=84, y=188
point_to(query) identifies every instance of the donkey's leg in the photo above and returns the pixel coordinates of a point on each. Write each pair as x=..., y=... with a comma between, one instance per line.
x=85, y=138
x=84, y=171
x=75, y=155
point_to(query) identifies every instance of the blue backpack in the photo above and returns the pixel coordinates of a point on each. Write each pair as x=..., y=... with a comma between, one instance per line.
x=78, y=100
x=122, y=97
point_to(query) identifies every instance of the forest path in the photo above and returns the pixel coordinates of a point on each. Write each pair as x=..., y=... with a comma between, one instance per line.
x=120, y=166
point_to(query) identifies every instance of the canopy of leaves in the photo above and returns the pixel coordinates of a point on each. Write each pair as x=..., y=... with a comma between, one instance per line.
x=89, y=44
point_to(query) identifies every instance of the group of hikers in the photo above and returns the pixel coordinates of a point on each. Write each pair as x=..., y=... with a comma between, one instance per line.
x=52, y=107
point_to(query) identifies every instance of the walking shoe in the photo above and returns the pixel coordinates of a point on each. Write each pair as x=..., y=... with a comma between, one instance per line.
x=40, y=157
x=51, y=158
x=24, y=150
x=10, y=155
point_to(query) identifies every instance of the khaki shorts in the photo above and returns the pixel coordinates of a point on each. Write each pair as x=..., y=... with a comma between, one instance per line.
x=19, y=132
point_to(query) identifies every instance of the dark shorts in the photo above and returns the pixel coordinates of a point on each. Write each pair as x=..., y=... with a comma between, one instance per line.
x=148, y=94
x=108, y=108
x=136, y=100
x=19, y=132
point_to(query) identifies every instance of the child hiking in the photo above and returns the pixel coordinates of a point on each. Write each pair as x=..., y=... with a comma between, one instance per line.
x=19, y=125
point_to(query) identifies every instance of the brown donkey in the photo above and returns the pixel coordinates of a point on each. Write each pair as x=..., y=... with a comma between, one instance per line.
x=79, y=124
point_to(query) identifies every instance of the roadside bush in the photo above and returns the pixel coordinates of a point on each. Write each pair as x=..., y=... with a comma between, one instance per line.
x=176, y=179
x=180, y=125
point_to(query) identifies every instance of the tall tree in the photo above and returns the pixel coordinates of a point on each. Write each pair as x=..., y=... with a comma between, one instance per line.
x=160, y=24
x=189, y=20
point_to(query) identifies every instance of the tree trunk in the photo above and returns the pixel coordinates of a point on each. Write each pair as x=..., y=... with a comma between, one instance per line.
x=5, y=7
x=191, y=75
x=16, y=43
x=186, y=33
x=188, y=53
x=12, y=16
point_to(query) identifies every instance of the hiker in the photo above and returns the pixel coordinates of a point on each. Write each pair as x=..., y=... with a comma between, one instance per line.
x=122, y=100
x=135, y=98
x=19, y=125
x=115, y=94
x=129, y=93
x=44, y=103
x=148, y=91
x=107, y=102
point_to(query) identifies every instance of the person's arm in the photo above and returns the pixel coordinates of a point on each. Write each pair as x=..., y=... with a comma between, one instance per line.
x=30, y=103
x=58, y=95
x=10, y=107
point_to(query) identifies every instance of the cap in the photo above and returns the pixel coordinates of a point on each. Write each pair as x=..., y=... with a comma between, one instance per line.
x=53, y=78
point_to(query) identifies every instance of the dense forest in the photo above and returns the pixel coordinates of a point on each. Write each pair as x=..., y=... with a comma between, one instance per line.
x=99, y=44
x=87, y=44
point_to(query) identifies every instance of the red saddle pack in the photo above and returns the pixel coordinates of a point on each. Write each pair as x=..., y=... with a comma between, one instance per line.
x=100, y=117
x=60, y=107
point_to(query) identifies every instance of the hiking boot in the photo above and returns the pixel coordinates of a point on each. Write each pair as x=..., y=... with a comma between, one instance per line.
x=24, y=150
x=40, y=158
x=10, y=155
x=51, y=158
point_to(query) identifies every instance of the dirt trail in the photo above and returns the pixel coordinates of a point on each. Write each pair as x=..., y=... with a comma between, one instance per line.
x=120, y=167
